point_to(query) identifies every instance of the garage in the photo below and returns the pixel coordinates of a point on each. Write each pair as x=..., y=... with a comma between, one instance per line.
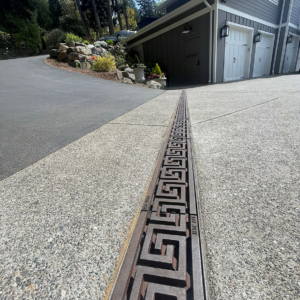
x=263, y=54
x=238, y=48
x=291, y=54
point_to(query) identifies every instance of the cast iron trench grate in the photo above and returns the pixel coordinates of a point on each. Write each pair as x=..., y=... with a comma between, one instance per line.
x=163, y=260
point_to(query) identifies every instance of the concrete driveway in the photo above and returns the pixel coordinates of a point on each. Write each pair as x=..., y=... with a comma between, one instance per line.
x=246, y=143
x=43, y=109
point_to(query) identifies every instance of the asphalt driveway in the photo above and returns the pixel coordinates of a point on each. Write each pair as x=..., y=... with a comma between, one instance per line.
x=43, y=109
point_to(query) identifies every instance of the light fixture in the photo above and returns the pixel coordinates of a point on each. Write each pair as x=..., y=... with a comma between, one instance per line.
x=289, y=39
x=257, y=37
x=225, y=29
x=187, y=28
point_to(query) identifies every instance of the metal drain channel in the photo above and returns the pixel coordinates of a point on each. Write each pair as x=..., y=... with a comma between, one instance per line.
x=164, y=259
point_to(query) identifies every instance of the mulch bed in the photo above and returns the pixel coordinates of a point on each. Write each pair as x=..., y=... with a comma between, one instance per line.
x=103, y=75
x=65, y=66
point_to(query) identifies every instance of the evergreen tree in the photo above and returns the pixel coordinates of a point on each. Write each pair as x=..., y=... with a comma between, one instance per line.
x=131, y=4
x=55, y=12
x=15, y=9
x=147, y=8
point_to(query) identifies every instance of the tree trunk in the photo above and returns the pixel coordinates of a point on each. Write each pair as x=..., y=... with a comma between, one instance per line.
x=97, y=18
x=83, y=19
x=125, y=14
x=119, y=16
x=109, y=18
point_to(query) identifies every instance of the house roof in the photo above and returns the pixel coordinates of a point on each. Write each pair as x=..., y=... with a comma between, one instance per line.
x=165, y=18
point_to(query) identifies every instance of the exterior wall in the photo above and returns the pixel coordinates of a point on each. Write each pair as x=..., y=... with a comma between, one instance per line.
x=167, y=50
x=286, y=11
x=281, y=47
x=263, y=9
x=295, y=15
x=223, y=16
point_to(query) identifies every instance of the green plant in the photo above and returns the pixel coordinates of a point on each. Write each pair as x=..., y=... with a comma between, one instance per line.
x=138, y=63
x=110, y=42
x=5, y=39
x=77, y=65
x=120, y=61
x=156, y=70
x=104, y=64
x=53, y=37
x=72, y=37
x=29, y=35
x=86, y=42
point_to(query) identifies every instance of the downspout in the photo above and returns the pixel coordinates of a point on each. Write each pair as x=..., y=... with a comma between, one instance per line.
x=277, y=43
x=210, y=39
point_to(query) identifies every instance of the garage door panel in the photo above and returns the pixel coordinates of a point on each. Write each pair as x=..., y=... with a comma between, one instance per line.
x=263, y=56
x=291, y=55
x=236, y=54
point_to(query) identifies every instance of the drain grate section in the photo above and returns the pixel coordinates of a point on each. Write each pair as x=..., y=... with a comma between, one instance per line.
x=163, y=260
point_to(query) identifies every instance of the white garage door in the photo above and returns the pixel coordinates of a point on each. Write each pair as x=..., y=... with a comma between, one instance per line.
x=263, y=55
x=237, y=53
x=291, y=55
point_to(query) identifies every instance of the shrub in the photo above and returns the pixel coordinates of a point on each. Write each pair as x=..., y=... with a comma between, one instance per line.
x=110, y=42
x=53, y=37
x=29, y=36
x=72, y=37
x=105, y=64
x=86, y=42
x=120, y=58
x=156, y=70
x=5, y=39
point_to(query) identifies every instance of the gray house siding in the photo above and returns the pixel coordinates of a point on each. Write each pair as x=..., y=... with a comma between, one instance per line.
x=281, y=45
x=262, y=9
x=223, y=16
x=295, y=15
x=286, y=11
x=167, y=50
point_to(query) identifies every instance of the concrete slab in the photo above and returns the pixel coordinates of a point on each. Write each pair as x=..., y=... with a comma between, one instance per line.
x=247, y=165
x=65, y=220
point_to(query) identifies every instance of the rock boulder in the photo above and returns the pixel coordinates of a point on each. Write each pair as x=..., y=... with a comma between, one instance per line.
x=83, y=50
x=62, y=55
x=71, y=49
x=119, y=75
x=73, y=56
x=53, y=53
x=74, y=63
x=62, y=48
x=79, y=44
x=127, y=80
x=129, y=70
x=99, y=51
x=85, y=65
x=154, y=85
x=71, y=44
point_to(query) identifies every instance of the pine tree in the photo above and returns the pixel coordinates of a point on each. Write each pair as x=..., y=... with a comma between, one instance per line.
x=55, y=12
x=147, y=8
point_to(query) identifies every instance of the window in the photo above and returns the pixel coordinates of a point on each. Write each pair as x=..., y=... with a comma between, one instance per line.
x=275, y=1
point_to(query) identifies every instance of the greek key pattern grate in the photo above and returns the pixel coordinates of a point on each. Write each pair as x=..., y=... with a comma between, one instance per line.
x=166, y=263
